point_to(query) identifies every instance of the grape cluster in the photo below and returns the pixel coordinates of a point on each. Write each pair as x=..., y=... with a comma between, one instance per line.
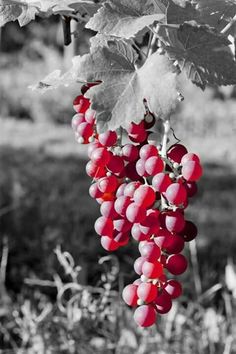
x=143, y=195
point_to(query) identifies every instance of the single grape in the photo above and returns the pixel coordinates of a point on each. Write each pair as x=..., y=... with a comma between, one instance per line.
x=122, y=225
x=154, y=165
x=90, y=116
x=81, y=104
x=122, y=238
x=174, y=244
x=104, y=226
x=137, y=234
x=138, y=138
x=147, y=151
x=94, y=191
x=129, y=295
x=116, y=165
x=93, y=146
x=85, y=130
x=176, y=264
x=144, y=196
x=109, y=138
x=135, y=213
x=101, y=156
x=108, y=184
x=176, y=152
x=130, y=152
x=109, y=244
x=134, y=128
x=189, y=232
x=95, y=171
x=176, y=193
x=140, y=168
x=152, y=269
x=150, y=251
x=190, y=157
x=191, y=171
x=162, y=237
x=173, y=288
x=121, y=205
x=77, y=120
x=174, y=221
x=163, y=303
x=130, y=188
x=145, y=315
x=191, y=188
x=120, y=190
x=147, y=292
x=161, y=182
x=107, y=209
x=138, y=265
x=131, y=172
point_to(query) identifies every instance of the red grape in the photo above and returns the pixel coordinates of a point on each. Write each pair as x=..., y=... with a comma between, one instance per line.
x=145, y=315
x=176, y=264
x=129, y=295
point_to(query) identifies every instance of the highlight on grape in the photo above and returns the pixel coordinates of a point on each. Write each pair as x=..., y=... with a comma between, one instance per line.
x=143, y=191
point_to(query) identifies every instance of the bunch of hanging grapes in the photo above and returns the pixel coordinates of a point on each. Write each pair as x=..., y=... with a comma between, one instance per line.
x=143, y=194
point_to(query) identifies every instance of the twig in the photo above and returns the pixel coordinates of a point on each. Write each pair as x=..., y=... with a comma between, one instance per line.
x=196, y=276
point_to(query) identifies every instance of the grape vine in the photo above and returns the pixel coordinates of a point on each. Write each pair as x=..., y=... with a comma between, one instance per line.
x=129, y=88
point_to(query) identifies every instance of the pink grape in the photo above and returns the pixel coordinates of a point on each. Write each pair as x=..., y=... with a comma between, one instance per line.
x=85, y=130
x=152, y=269
x=161, y=182
x=130, y=152
x=162, y=238
x=150, y=251
x=139, y=137
x=144, y=196
x=176, y=152
x=189, y=157
x=93, y=146
x=122, y=225
x=189, y=232
x=108, y=184
x=176, y=194
x=120, y=190
x=134, y=128
x=109, y=138
x=77, y=120
x=129, y=295
x=137, y=234
x=174, y=244
x=176, y=264
x=100, y=156
x=130, y=188
x=90, y=116
x=109, y=244
x=147, y=151
x=147, y=292
x=145, y=315
x=121, y=205
x=173, y=288
x=135, y=213
x=140, y=168
x=122, y=238
x=107, y=209
x=174, y=221
x=104, y=226
x=163, y=303
x=138, y=265
x=95, y=171
x=191, y=188
x=94, y=191
x=131, y=172
x=81, y=104
x=116, y=164
x=191, y=171
x=154, y=165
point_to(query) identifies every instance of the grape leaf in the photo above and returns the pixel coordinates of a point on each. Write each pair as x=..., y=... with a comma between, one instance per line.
x=25, y=10
x=204, y=55
x=9, y=11
x=118, y=100
x=124, y=18
x=215, y=13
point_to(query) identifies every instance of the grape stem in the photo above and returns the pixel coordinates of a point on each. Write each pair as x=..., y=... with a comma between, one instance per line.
x=167, y=129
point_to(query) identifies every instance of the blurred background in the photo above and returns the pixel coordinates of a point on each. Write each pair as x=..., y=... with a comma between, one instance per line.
x=58, y=294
